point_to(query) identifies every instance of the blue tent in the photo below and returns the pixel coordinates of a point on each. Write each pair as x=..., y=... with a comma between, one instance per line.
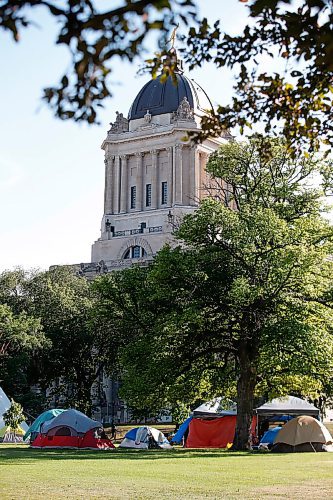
x=269, y=436
x=177, y=438
x=43, y=417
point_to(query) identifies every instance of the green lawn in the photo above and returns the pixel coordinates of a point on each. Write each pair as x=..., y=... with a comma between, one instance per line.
x=154, y=474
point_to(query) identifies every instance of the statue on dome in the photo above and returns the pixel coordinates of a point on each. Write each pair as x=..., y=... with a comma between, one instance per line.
x=184, y=111
x=120, y=125
x=147, y=117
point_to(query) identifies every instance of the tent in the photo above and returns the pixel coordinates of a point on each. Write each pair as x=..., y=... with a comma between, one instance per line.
x=218, y=406
x=7, y=434
x=145, y=437
x=71, y=429
x=288, y=405
x=213, y=433
x=178, y=437
x=303, y=433
x=35, y=427
x=268, y=438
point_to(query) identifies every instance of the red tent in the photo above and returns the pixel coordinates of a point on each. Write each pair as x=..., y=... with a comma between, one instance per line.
x=213, y=433
x=71, y=429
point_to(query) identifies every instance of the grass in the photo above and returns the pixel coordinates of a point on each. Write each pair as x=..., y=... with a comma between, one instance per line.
x=157, y=474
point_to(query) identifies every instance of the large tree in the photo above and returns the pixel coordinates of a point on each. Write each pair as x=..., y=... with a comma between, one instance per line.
x=247, y=301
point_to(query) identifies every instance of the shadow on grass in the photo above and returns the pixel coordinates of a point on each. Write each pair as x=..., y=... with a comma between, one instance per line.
x=27, y=455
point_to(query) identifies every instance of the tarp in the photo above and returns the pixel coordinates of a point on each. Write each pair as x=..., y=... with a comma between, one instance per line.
x=43, y=417
x=4, y=406
x=270, y=435
x=288, y=405
x=177, y=438
x=218, y=406
x=145, y=437
x=71, y=418
x=213, y=433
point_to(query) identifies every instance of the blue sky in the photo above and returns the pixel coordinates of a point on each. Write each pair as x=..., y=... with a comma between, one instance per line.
x=52, y=172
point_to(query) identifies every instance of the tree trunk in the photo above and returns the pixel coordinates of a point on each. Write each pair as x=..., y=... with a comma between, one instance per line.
x=245, y=394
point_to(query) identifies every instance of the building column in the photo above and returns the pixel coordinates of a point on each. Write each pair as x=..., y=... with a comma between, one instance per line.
x=139, y=181
x=123, y=185
x=116, y=183
x=179, y=175
x=154, y=180
x=108, y=207
x=197, y=176
x=204, y=178
x=170, y=175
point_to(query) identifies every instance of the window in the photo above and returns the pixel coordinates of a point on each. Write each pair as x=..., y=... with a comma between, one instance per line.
x=148, y=195
x=164, y=200
x=135, y=252
x=133, y=196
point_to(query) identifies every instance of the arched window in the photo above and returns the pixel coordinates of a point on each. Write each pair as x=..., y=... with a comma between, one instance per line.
x=135, y=252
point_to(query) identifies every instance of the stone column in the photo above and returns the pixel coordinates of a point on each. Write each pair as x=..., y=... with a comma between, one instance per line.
x=179, y=175
x=197, y=176
x=204, y=178
x=139, y=181
x=108, y=207
x=123, y=185
x=154, y=180
x=170, y=175
x=116, y=183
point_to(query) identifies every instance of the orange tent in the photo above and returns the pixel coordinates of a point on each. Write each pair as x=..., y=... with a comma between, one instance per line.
x=213, y=433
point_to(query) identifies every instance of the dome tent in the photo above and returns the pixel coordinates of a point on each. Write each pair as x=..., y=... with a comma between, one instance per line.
x=71, y=429
x=142, y=438
x=35, y=427
x=303, y=433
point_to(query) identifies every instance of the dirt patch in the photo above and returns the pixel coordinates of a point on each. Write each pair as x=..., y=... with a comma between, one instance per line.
x=308, y=490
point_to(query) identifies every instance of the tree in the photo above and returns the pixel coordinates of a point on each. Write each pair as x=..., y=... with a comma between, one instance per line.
x=247, y=301
x=73, y=363
x=14, y=416
x=50, y=337
x=296, y=101
x=95, y=37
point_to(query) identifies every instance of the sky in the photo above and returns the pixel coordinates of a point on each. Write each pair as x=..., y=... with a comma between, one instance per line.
x=52, y=171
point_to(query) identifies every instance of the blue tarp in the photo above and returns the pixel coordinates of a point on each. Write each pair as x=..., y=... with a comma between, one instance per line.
x=43, y=417
x=177, y=438
x=281, y=418
x=270, y=435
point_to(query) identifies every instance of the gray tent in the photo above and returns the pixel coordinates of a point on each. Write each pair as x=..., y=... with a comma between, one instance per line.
x=288, y=405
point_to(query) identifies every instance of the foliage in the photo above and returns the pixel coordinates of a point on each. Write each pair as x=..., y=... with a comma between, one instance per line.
x=95, y=38
x=68, y=359
x=298, y=100
x=73, y=362
x=13, y=417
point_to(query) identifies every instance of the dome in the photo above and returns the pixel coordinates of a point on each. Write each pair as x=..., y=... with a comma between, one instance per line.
x=160, y=98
